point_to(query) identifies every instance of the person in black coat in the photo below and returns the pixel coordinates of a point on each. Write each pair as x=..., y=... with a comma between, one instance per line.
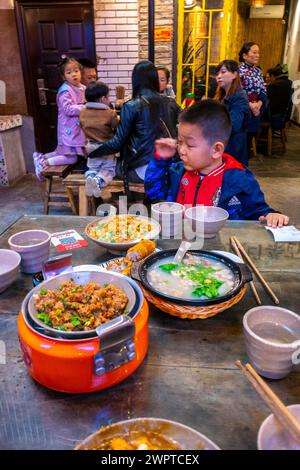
x=146, y=117
x=280, y=92
x=231, y=94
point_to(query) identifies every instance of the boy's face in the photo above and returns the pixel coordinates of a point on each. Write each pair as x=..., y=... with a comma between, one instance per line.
x=88, y=76
x=195, y=152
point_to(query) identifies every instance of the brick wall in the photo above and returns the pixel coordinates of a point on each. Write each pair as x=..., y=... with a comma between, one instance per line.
x=117, y=43
x=164, y=17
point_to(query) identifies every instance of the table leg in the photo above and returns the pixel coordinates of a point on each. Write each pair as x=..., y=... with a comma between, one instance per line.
x=72, y=200
x=83, y=201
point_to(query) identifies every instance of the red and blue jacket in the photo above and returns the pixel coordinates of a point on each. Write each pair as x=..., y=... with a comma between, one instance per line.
x=236, y=189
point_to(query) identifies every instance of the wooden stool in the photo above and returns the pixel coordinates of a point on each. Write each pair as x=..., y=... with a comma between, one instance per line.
x=269, y=139
x=58, y=172
x=77, y=182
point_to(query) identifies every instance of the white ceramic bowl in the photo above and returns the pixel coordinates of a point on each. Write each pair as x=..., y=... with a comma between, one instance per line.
x=120, y=247
x=271, y=359
x=206, y=221
x=9, y=267
x=271, y=435
x=169, y=215
x=187, y=438
x=33, y=246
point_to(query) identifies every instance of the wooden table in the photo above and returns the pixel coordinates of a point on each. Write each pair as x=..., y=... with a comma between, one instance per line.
x=188, y=375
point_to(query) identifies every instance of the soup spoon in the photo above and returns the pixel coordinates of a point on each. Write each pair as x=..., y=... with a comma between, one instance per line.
x=180, y=253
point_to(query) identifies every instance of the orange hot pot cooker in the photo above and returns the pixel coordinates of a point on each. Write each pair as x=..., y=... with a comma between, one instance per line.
x=85, y=361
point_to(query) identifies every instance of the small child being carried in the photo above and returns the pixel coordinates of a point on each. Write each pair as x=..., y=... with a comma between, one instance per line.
x=98, y=122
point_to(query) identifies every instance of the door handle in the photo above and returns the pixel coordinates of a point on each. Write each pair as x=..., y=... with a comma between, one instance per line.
x=42, y=91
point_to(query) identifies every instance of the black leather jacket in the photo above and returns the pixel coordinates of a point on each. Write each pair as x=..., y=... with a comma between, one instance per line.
x=138, y=130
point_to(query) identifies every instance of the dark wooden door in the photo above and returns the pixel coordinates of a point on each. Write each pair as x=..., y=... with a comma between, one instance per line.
x=47, y=30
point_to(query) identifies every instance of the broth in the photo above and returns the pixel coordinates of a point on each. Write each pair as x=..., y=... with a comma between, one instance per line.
x=195, y=278
x=276, y=333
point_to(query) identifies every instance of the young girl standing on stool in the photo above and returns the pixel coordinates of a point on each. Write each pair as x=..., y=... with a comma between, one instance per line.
x=70, y=137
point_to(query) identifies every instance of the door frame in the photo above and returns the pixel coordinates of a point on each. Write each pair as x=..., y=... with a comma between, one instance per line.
x=20, y=8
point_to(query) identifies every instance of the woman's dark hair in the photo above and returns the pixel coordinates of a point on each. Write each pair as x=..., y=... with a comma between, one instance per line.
x=275, y=71
x=95, y=91
x=232, y=66
x=165, y=70
x=64, y=62
x=144, y=76
x=212, y=118
x=245, y=49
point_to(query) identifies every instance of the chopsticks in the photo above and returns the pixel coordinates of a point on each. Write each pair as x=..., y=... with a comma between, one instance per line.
x=280, y=411
x=253, y=288
x=235, y=241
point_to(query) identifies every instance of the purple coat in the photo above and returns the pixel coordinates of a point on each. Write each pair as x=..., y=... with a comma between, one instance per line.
x=70, y=100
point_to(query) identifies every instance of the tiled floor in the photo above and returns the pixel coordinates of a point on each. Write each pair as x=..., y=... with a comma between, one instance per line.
x=279, y=177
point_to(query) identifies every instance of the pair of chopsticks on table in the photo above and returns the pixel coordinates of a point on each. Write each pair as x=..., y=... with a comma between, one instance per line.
x=280, y=411
x=238, y=248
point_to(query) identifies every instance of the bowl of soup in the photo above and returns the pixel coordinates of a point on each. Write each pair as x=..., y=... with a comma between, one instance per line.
x=147, y=434
x=202, y=278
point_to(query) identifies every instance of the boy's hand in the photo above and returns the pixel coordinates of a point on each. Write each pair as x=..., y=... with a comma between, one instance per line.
x=166, y=147
x=274, y=219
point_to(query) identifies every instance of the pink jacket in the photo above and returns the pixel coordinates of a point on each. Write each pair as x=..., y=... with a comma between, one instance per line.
x=70, y=100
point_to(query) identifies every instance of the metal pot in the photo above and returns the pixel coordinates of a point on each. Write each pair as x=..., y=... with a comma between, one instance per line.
x=88, y=361
x=240, y=271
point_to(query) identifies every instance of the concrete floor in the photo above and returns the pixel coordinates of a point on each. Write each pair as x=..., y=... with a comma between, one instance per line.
x=279, y=177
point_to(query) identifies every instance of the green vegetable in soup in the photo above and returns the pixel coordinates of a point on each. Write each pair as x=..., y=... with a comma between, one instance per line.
x=169, y=267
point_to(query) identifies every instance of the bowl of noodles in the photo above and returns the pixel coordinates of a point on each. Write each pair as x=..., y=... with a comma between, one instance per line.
x=117, y=233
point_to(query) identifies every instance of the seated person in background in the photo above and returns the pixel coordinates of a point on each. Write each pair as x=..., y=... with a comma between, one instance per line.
x=280, y=96
x=164, y=77
x=206, y=175
x=98, y=122
x=88, y=72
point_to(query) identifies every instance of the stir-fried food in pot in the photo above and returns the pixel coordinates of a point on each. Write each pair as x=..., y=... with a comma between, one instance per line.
x=76, y=307
x=120, y=229
x=140, y=441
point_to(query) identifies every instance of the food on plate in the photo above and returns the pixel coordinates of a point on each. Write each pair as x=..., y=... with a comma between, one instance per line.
x=136, y=253
x=79, y=307
x=195, y=278
x=140, y=441
x=122, y=265
x=120, y=229
x=141, y=250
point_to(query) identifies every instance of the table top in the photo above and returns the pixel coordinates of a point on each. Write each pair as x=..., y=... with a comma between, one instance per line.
x=188, y=375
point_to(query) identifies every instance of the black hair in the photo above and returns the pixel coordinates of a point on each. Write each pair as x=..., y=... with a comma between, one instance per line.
x=164, y=69
x=230, y=65
x=144, y=76
x=275, y=71
x=96, y=90
x=87, y=63
x=64, y=62
x=245, y=49
x=212, y=118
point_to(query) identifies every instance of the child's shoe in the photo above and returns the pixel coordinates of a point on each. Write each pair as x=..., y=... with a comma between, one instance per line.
x=91, y=173
x=40, y=165
x=89, y=185
x=97, y=185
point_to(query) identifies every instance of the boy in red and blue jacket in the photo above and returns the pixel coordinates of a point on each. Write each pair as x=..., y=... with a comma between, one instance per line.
x=206, y=175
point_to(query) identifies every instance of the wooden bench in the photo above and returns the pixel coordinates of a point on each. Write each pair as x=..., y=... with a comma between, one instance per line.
x=57, y=172
x=77, y=182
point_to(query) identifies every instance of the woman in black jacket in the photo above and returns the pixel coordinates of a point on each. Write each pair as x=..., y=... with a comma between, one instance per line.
x=146, y=117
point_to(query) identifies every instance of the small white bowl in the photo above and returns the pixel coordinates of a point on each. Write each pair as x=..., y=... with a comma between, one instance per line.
x=33, y=246
x=9, y=267
x=271, y=435
x=206, y=221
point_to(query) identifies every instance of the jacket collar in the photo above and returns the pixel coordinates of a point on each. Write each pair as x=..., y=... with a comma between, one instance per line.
x=92, y=105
